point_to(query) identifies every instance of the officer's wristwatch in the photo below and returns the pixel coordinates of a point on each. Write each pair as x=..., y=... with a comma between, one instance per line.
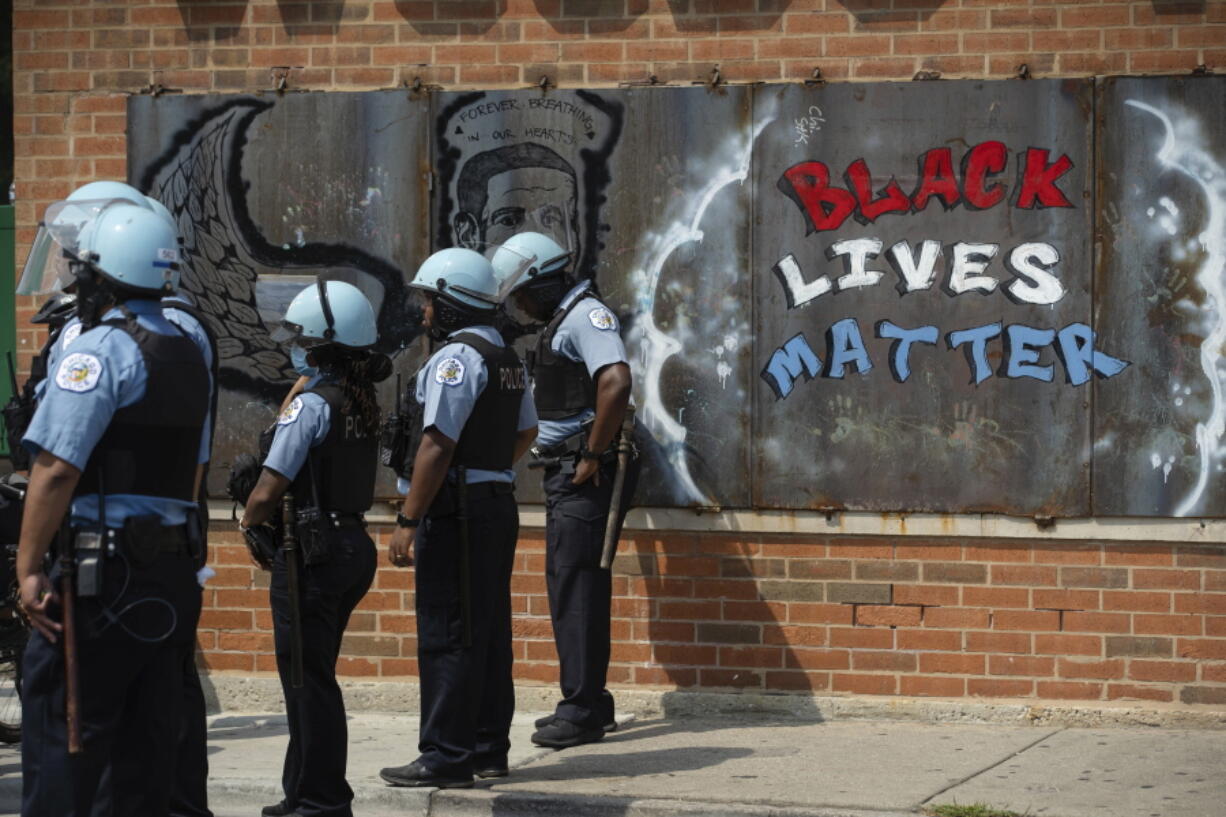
x=403, y=521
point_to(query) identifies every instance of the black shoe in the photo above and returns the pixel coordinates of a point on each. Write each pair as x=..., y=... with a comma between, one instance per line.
x=281, y=809
x=562, y=734
x=418, y=775
x=488, y=770
x=541, y=723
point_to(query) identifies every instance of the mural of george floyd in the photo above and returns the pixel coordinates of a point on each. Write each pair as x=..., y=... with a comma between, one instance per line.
x=955, y=297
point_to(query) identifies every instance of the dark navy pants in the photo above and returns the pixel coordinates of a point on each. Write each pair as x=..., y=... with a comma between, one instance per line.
x=580, y=593
x=190, y=797
x=313, y=777
x=130, y=693
x=467, y=697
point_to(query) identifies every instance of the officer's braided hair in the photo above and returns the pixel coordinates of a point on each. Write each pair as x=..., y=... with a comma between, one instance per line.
x=357, y=371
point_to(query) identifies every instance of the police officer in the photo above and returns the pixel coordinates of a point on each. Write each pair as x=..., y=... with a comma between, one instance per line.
x=460, y=519
x=117, y=442
x=581, y=381
x=190, y=795
x=325, y=452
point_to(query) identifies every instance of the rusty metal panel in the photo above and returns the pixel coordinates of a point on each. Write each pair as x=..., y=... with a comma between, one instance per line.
x=270, y=191
x=1160, y=295
x=989, y=186
x=645, y=185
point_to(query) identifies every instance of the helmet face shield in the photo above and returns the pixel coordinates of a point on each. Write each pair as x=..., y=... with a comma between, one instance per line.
x=47, y=268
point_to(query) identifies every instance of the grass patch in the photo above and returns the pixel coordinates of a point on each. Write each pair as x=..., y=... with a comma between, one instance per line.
x=973, y=810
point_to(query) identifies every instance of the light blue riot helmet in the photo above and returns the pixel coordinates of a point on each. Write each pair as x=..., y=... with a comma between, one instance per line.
x=524, y=258
x=46, y=269
x=463, y=286
x=132, y=246
x=328, y=312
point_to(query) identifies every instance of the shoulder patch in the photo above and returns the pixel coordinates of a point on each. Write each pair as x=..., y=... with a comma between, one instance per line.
x=449, y=372
x=290, y=413
x=602, y=319
x=71, y=333
x=78, y=372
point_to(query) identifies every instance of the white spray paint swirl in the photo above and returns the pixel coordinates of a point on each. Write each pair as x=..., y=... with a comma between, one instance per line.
x=1182, y=152
x=657, y=346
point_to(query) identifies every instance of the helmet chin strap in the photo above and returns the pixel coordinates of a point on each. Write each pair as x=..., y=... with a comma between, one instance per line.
x=330, y=332
x=450, y=315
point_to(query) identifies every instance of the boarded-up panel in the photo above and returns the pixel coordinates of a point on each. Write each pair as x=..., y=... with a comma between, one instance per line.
x=1160, y=294
x=854, y=183
x=644, y=186
x=269, y=192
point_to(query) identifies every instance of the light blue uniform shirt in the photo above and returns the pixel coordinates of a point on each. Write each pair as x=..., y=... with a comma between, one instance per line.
x=102, y=372
x=303, y=424
x=590, y=335
x=185, y=321
x=448, y=387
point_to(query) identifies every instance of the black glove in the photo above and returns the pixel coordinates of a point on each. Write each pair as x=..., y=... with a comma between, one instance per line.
x=262, y=542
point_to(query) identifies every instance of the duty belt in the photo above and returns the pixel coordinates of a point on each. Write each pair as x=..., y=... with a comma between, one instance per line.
x=335, y=519
x=175, y=539
x=484, y=490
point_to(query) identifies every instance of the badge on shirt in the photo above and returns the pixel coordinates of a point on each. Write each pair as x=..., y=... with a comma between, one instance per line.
x=71, y=333
x=450, y=372
x=290, y=413
x=602, y=319
x=78, y=372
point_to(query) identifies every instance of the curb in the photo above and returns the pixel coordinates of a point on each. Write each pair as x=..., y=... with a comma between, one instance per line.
x=262, y=693
x=507, y=804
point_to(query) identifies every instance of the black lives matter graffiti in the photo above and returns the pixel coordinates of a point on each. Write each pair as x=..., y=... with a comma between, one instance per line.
x=1025, y=273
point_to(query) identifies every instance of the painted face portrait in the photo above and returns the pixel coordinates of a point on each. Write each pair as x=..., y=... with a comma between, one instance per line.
x=515, y=188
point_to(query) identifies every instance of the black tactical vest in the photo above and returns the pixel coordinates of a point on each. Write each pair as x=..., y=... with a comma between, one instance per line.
x=150, y=448
x=488, y=439
x=562, y=387
x=342, y=467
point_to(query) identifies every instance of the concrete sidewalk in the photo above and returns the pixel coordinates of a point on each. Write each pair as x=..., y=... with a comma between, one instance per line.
x=753, y=767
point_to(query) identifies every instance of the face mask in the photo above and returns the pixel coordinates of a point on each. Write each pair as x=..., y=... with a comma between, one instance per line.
x=298, y=359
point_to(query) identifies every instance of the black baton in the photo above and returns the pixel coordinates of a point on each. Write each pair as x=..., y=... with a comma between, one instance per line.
x=466, y=611
x=290, y=544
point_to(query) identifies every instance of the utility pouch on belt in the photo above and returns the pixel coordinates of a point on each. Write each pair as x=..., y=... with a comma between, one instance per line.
x=316, y=535
x=400, y=435
x=91, y=561
x=143, y=538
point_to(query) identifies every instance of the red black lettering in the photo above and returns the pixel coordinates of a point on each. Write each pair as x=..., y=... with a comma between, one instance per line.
x=937, y=180
x=984, y=159
x=1037, y=179
x=808, y=185
x=891, y=200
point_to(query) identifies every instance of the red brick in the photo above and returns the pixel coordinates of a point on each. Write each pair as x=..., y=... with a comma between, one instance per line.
x=1135, y=692
x=1001, y=552
x=1201, y=648
x=952, y=663
x=995, y=597
x=999, y=688
x=1107, y=670
x=1027, y=575
x=817, y=659
x=658, y=676
x=1023, y=18
x=959, y=618
x=1061, y=644
x=1066, y=600
x=1168, y=580
x=1020, y=665
x=741, y=678
x=928, y=595
x=1141, y=602
x=1212, y=603
x=938, y=687
x=926, y=551
x=229, y=661
x=767, y=657
x=685, y=654
x=881, y=616
x=806, y=613
x=1033, y=620
x=760, y=611
x=998, y=642
x=1095, y=16
x=1096, y=622
x=1213, y=672
x=1061, y=553
x=1143, y=624
x=836, y=22
x=211, y=619
x=1069, y=690
x=891, y=660
x=871, y=637
x=864, y=684
x=1166, y=671
x=938, y=640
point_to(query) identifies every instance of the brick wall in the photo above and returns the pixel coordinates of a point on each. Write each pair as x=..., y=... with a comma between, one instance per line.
x=865, y=615
x=948, y=617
